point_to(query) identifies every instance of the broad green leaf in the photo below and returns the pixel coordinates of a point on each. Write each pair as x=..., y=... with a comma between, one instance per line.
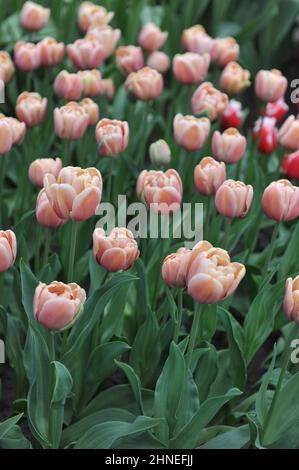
x=134, y=382
x=238, y=438
x=6, y=426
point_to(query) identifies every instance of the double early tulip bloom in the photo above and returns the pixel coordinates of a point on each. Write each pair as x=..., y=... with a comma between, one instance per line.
x=209, y=176
x=112, y=137
x=191, y=132
x=8, y=249
x=281, y=201
x=207, y=99
x=145, y=84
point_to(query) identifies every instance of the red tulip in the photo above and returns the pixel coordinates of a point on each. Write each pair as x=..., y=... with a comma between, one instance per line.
x=266, y=134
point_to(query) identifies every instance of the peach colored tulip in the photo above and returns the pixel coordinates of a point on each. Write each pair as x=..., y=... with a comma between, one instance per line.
x=233, y=199
x=112, y=137
x=195, y=39
x=31, y=108
x=6, y=137
x=234, y=79
x=209, y=176
x=56, y=306
x=27, y=56
x=68, y=86
x=107, y=88
x=8, y=249
x=291, y=299
x=161, y=191
x=91, y=82
x=76, y=193
x=229, y=146
x=225, y=50
x=92, y=110
x=191, y=68
x=129, y=59
x=289, y=133
x=70, y=121
x=211, y=277
x=281, y=201
x=208, y=99
x=86, y=53
x=160, y=153
x=174, y=268
x=18, y=129
x=45, y=214
x=115, y=252
x=151, y=38
x=40, y=167
x=34, y=17
x=51, y=52
x=106, y=36
x=7, y=67
x=191, y=132
x=146, y=84
x=159, y=61
x=270, y=85
x=91, y=15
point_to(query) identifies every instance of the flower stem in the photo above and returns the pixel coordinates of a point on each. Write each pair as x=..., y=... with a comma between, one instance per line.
x=70, y=274
x=47, y=246
x=37, y=250
x=208, y=217
x=180, y=314
x=110, y=177
x=51, y=389
x=2, y=177
x=193, y=334
x=271, y=248
x=228, y=223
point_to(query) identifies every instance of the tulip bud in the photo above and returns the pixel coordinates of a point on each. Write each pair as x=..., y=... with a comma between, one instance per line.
x=91, y=15
x=7, y=67
x=151, y=38
x=40, y=167
x=290, y=165
x=146, y=84
x=8, y=249
x=265, y=133
x=112, y=137
x=162, y=192
x=76, y=193
x=51, y=52
x=174, y=268
x=45, y=214
x=107, y=88
x=92, y=109
x=229, y=146
x=208, y=99
x=190, y=132
x=129, y=59
x=270, y=85
x=277, y=109
x=34, y=17
x=291, y=299
x=31, y=108
x=115, y=252
x=232, y=115
x=281, y=201
x=233, y=199
x=289, y=133
x=17, y=128
x=86, y=53
x=70, y=121
x=160, y=153
x=106, y=37
x=159, y=61
x=209, y=176
x=56, y=306
x=6, y=137
x=195, y=39
x=234, y=79
x=68, y=86
x=27, y=56
x=191, y=68
x=91, y=82
x=225, y=50
x=211, y=277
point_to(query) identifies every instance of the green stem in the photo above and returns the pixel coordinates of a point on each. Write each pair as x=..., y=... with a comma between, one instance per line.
x=180, y=314
x=110, y=177
x=208, y=217
x=271, y=248
x=72, y=253
x=156, y=290
x=228, y=223
x=51, y=389
x=193, y=334
x=66, y=154
x=47, y=246
x=37, y=250
x=238, y=169
x=2, y=177
x=28, y=81
x=284, y=368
